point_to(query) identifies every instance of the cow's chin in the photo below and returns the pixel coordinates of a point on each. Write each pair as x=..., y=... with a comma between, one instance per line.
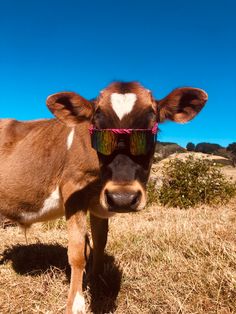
x=106, y=213
x=102, y=212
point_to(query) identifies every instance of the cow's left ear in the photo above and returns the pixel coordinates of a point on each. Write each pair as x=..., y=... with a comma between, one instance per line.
x=70, y=108
x=181, y=105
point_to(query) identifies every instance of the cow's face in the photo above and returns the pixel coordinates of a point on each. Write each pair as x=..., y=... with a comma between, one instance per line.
x=124, y=168
x=123, y=125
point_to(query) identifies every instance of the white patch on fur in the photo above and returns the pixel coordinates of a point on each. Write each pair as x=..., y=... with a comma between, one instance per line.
x=52, y=208
x=123, y=104
x=78, y=304
x=70, y=138
x=52, y=201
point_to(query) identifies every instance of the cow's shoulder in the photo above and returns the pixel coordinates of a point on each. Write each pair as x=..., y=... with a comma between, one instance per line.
x=10, y=132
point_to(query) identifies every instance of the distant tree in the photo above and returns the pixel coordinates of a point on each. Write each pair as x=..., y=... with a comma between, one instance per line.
x=231, y=148
x=190, y=147
x=207, y=148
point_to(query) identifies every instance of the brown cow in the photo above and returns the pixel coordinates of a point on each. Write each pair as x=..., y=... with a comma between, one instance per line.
x=48, y=168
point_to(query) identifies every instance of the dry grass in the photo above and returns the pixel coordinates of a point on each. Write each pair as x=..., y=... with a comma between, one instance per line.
x=178, y=261
x=159, y=261
x=34, y=276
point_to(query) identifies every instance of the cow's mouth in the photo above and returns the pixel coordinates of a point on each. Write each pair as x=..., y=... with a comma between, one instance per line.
x=122, y=201
x=123, y=198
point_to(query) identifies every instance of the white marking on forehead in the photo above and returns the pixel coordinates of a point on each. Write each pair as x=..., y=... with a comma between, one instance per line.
x=123, y=104
x=78, y=304
x=70, y=138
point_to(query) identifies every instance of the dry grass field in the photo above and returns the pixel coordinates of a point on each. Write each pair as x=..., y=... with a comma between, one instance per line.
x=163, y=260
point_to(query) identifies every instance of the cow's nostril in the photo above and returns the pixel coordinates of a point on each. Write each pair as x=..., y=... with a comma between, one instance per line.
x=110, y=198
x=135, y=199
x=119, y=201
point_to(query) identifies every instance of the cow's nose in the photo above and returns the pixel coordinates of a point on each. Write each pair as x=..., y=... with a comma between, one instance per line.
x=122, y=201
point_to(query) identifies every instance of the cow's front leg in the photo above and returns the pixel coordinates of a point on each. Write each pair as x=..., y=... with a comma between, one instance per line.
x=99, y=228
x=76, y=224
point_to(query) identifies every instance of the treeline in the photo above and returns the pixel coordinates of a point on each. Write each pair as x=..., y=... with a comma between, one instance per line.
x=164, y=149
x=215, y=149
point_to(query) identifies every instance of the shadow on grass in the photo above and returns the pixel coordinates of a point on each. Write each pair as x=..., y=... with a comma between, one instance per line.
x=104, y=289
x=36, y=259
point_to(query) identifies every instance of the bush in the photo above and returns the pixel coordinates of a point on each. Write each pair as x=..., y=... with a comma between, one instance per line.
x=231, y=149
x=192, y=181
x=190, y=147
x=152, y=193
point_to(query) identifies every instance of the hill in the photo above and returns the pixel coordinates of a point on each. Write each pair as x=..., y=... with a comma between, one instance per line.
x=164, y=149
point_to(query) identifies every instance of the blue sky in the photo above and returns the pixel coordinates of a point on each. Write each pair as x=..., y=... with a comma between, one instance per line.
x=55, y=45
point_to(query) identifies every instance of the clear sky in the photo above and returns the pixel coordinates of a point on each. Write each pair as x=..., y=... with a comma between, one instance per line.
x=49, y=46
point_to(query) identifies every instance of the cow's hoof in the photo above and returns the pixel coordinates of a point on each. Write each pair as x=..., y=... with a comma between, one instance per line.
x=78, y=304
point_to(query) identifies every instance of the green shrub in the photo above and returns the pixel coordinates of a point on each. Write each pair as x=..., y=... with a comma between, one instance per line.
x=152, y=193
x=191, y=182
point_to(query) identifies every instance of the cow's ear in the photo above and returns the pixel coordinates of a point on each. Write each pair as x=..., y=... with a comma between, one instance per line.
x=181, y=105
x=70, y=108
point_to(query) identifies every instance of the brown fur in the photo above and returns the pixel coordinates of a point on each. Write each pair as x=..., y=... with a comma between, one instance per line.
x=35, y=159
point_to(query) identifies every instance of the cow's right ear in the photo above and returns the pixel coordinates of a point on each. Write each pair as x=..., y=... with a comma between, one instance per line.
x=182, y=104
x=70, y=108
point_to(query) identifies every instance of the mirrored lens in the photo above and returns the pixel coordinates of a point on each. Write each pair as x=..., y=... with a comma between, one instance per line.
x=104, y=141
x=141, y=142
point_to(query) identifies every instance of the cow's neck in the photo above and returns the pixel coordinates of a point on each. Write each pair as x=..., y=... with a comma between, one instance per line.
x=81, y=165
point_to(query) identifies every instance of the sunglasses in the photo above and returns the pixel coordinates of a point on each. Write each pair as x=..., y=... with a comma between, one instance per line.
x=140, y=141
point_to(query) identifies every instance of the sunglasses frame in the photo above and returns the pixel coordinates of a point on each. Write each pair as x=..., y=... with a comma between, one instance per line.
x=124, y=131
x=153, y=130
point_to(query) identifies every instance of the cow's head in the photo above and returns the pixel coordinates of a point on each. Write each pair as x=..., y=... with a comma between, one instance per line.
x=123, y=122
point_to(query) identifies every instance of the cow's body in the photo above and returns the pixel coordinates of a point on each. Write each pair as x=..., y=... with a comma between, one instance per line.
x=48, y=168
x=37, y=161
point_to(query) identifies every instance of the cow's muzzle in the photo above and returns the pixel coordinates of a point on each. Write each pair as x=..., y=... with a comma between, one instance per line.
x=123, y=198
